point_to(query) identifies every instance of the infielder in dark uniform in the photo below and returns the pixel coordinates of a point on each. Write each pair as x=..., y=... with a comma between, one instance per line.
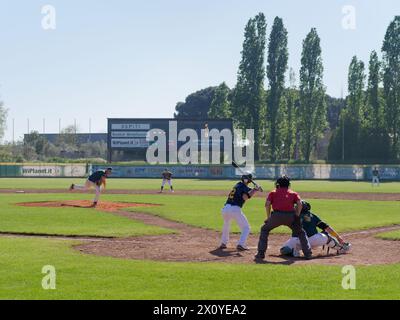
x=167, y=178
x=287, y=206
x=311, y=223
x=233, y=211
x=96, y=180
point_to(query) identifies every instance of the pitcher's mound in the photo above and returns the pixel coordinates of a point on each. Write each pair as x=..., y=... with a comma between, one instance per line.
x=102, y=205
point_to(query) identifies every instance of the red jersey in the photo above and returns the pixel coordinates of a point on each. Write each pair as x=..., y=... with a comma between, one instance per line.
x=283, y=199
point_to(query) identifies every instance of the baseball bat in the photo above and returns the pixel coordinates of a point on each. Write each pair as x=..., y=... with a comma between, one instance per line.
x=235, y=165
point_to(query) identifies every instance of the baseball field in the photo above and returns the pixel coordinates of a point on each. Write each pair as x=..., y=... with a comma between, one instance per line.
x=138, y=244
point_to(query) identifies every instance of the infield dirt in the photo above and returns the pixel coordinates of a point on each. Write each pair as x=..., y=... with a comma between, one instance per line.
x=192, y=244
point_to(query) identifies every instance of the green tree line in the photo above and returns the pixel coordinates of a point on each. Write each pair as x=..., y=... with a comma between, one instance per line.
x=370, y=122
x=298, y=120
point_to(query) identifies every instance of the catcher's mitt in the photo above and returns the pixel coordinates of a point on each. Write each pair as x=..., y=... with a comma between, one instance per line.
x=345, y=248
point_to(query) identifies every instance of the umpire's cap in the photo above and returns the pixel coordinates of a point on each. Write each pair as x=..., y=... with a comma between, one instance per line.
x=283, y=182
x=109, y=169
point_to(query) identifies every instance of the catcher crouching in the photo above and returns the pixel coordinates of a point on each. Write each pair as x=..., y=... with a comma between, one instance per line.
x=328, y=238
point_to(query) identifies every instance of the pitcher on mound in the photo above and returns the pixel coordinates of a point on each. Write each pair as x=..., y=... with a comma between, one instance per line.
x=96, y=180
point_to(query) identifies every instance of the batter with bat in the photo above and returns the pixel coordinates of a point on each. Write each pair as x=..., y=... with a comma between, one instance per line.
x=96, y=180
x=233, y=211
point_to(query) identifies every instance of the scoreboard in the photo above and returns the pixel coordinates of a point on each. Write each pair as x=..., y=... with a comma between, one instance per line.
x=128, y=138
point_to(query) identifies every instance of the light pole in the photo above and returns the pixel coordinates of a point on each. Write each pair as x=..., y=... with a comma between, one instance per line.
x=13, y=131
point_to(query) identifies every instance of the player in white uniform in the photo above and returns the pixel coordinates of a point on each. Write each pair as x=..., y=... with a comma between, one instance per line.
x=310, y=223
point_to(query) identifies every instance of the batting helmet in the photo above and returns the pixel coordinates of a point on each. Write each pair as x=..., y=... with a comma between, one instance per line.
x=247, y=176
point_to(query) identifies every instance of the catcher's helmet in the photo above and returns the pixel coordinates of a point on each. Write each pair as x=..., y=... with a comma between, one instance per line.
x=283, y=182
x=306, y=206
x=286, y=251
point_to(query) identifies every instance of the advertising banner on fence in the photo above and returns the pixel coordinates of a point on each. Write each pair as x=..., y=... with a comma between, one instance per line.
x=270, y=172
x=205, y=172
x=72, y=170
x=41, y=171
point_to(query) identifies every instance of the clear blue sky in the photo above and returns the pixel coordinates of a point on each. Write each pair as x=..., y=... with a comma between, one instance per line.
x=138, y=58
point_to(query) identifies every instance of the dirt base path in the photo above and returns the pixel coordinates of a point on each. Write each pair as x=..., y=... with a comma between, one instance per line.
x=192, y=244
x=304, y=195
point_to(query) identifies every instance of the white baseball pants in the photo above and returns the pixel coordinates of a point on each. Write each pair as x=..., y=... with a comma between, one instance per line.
x=88, y=185
x=317, y=240
x=230, y=213
x=166, y=181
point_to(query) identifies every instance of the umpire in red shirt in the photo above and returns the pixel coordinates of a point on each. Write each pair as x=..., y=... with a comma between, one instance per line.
x=286, y=205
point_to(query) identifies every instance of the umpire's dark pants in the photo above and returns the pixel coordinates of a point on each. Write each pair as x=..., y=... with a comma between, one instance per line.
x=289, y=219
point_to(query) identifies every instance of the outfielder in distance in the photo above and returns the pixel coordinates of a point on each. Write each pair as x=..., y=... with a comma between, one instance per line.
x=96, y=180
x=233, y=211
x=167, y=178
x=310, y=223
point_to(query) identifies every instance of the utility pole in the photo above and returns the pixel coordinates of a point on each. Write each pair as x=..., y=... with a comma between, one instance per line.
x=90, y=130
x=59, y=126
x=28, y=126
x=342, y=128
x=44, y=125
x=343, y=139
x=13, y=131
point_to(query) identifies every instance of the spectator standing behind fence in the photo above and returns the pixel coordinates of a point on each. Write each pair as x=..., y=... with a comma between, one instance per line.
x=375, y=177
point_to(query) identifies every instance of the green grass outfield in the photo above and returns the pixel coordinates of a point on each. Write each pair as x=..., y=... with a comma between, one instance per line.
x=80, y=276
x=197, y=184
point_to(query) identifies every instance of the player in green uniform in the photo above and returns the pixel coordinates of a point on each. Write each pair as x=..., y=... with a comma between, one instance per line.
x=311, y=223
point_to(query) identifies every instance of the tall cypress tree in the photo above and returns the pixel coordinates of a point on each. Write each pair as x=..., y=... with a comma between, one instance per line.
x=276, y=69
x=391, y=82
x=290, y=119
x=375, y=140
x=312, y=119
x=248, y=104
x=353, y=114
